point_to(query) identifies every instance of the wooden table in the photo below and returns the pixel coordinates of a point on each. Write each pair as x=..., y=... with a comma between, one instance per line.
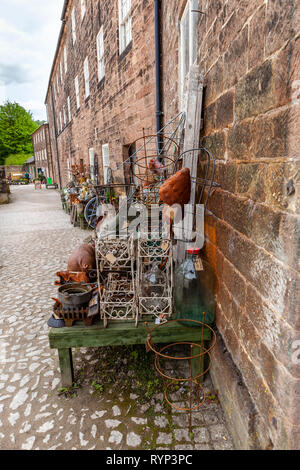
x=116, y=334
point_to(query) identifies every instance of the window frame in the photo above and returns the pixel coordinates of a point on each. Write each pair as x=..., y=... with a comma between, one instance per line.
x=77, y=92
x=86, y=73
x=73, y=22
x=105, y=158
x=100, y=54
x=123, y=21
x=82, y=8
x=69, y=109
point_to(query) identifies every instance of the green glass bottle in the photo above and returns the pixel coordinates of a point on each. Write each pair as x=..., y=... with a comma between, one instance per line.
x=194, y=289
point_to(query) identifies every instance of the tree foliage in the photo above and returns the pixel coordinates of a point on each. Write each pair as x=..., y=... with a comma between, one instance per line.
x=16, y=127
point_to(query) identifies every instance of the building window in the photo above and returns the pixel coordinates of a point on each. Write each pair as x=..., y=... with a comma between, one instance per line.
x=92, y=163
x=69, y=108
x=83, y=8
x=73, y=26
x=100, y=54
x=125, y=24
x=105, y=159
x=77, y=93
x=65, y=59
x=86, y=78
x=61, y=74
x=188, y=40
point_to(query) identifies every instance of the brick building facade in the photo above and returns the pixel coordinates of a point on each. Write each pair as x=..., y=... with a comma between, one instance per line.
x=42, y=151
x=249, y=53
x=102, y=86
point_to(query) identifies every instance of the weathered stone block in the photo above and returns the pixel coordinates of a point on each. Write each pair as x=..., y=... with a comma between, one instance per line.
x=246, y=176
x=250, y=339
x=215, y=203
x=283, y=75
x=209, y=119
x=214, y=82
x=237, y=213
x=236, y=59
x=254, y=93
x=279, y=25
x=212, y=46
x=241, y=414
x=215, y=143
x=225, y=175
x=224, y=110
x=240, y=140
x=246, y=8
x=229, y=31
x=270, y=134
x=257, y=38
x=234, y=282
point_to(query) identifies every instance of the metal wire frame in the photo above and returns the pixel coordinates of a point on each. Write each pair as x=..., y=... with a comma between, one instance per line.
x=207, y=180
x=174, y=129
x=192, y=380
x=155, y=253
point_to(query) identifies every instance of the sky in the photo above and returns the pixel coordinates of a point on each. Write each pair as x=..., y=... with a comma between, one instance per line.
x=29, y=31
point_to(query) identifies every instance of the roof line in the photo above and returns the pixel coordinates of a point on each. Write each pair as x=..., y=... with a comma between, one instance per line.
x=63, y=16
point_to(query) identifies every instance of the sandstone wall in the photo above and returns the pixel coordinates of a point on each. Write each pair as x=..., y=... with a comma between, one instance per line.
x=249, y=52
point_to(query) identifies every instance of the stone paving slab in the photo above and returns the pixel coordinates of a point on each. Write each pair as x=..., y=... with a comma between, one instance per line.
x=112, y=410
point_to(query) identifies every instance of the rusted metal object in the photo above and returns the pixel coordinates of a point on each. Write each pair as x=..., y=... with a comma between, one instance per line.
x=197, y=394
x=72, y=314
x=67, y=276
x=74, y=294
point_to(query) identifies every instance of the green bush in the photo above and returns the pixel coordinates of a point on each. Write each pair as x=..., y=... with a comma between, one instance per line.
x=17, y=159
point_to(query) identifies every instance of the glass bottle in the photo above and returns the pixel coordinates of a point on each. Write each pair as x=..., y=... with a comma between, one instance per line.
x=194, y=289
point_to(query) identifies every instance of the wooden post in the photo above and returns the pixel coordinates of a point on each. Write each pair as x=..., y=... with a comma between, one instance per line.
x=193, y=107
x=66, y=367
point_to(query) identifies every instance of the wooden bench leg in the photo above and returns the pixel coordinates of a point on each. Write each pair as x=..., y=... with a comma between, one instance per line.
x=66, y=367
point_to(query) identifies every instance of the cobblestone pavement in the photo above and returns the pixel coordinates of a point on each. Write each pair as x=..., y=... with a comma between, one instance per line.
x=111, y=406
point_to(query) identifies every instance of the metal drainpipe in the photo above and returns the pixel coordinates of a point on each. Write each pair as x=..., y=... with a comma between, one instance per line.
x=157, y=71
x=56, y=144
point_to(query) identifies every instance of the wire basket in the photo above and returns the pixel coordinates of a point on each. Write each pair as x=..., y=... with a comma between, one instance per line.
x=193, y=395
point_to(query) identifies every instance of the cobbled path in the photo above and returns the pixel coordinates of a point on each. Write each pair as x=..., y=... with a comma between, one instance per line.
x=36, y=239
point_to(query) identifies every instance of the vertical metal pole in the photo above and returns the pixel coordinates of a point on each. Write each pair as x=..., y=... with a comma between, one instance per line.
x=157, y=73
x=55, y=131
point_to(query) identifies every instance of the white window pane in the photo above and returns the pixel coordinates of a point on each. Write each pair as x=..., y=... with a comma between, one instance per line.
x=86, y=78
x=69, y=108
x=83, y=8
x=73, y=26
x=100, y=54
x=77, y=93
x=105, y=158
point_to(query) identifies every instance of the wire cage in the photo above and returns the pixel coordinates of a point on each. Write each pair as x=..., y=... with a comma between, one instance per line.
x=117, y=298
x=115, y=259
x=155, y=277
x=151, y=164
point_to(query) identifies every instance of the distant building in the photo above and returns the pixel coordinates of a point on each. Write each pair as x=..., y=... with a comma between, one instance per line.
x=42, y=151
x=30, y=167
x=101, y=91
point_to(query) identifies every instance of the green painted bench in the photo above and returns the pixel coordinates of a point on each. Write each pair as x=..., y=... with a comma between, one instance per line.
x=117, y=334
